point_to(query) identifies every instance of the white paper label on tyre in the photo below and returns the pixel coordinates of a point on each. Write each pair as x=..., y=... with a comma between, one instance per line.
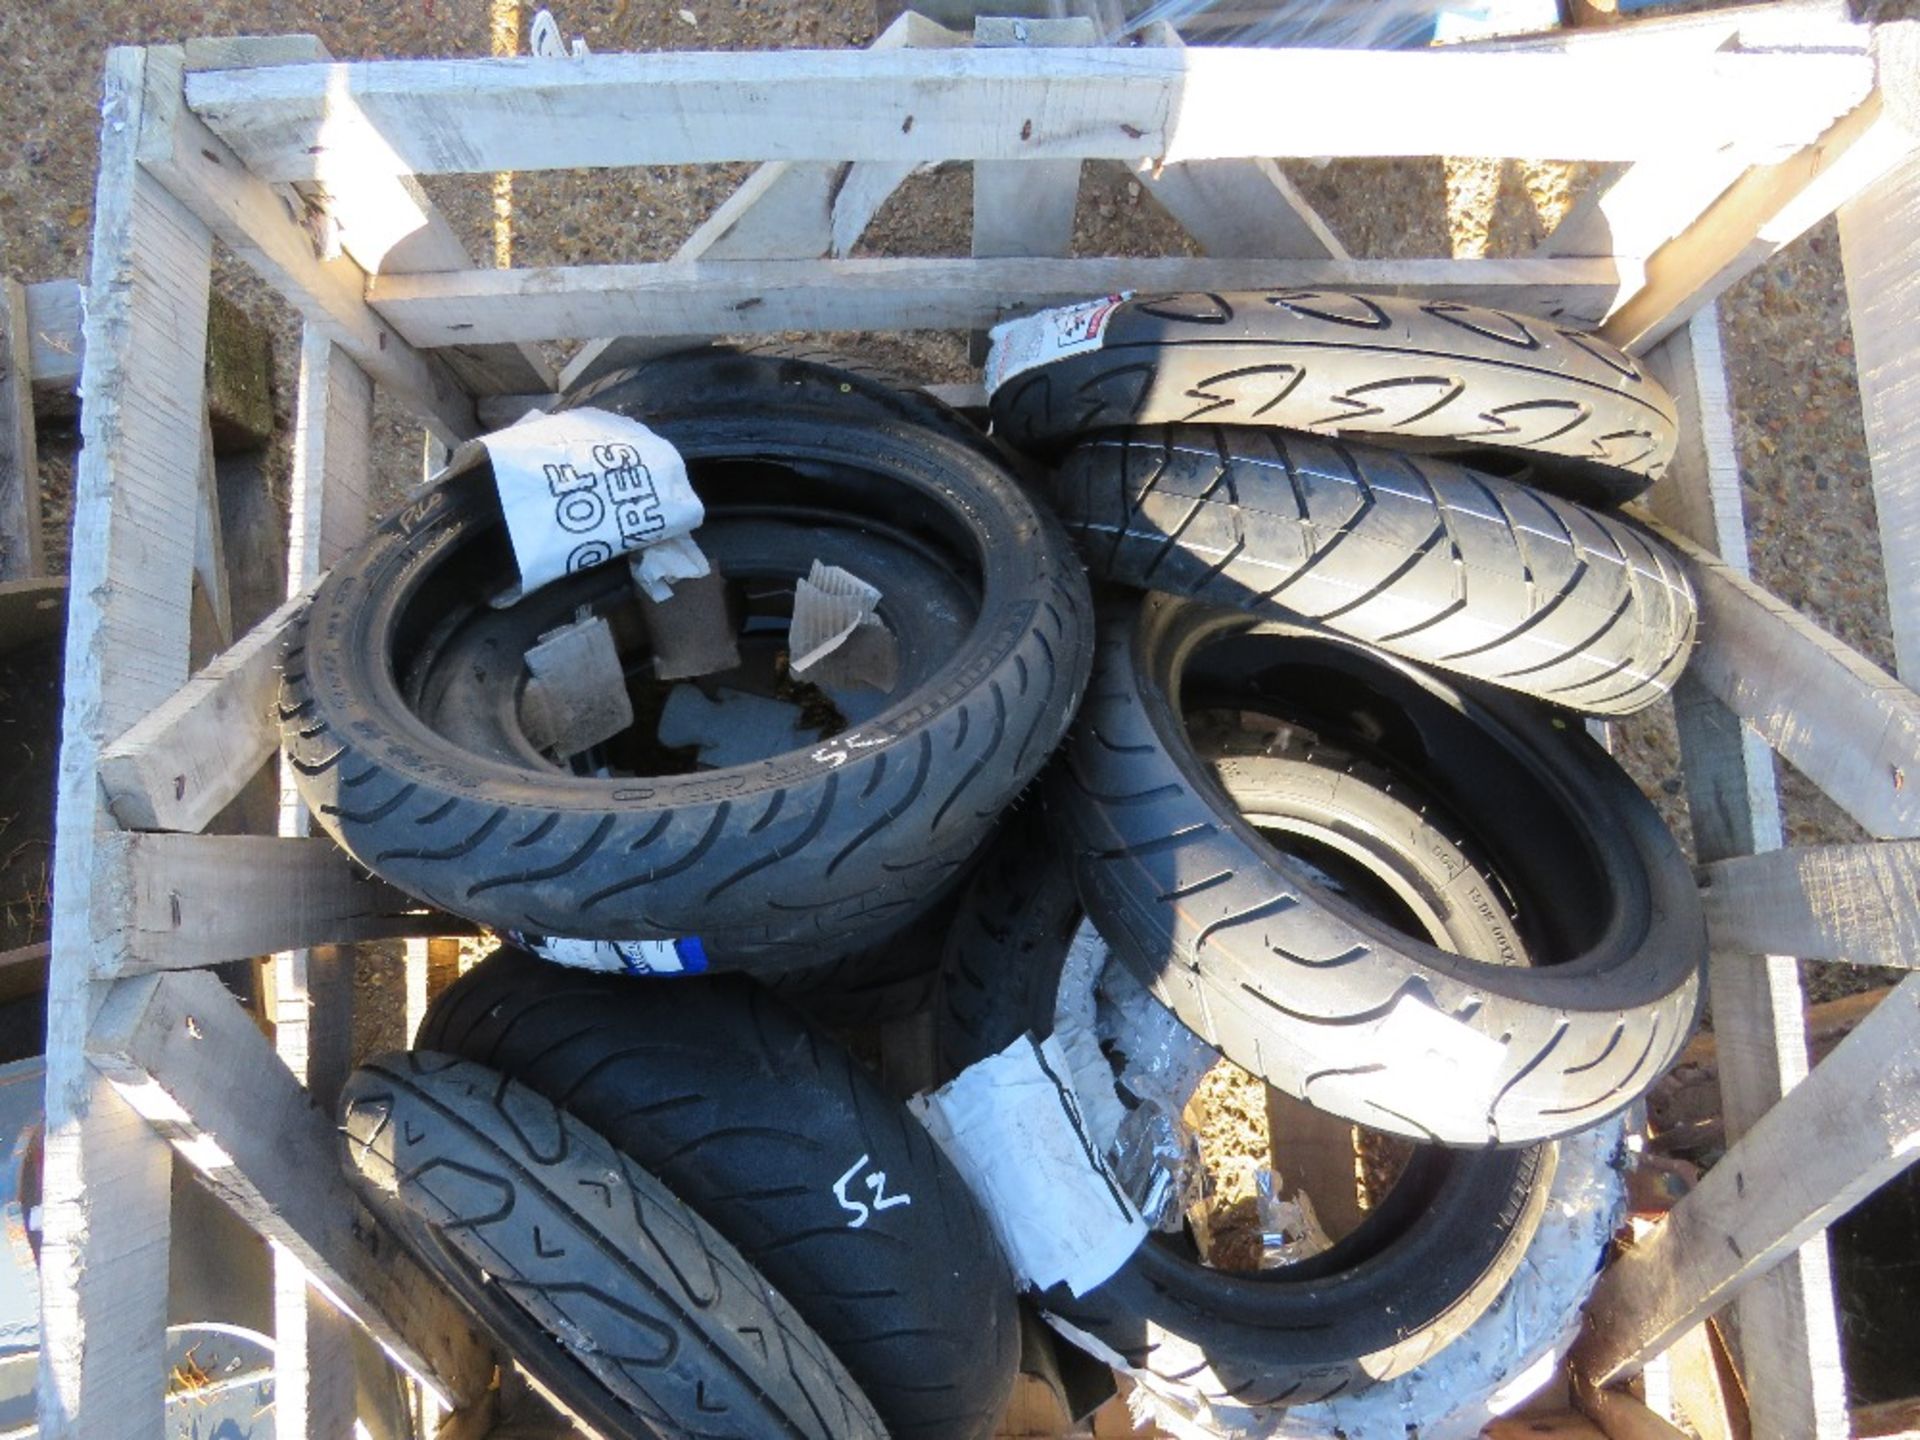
x=1019, y=345
x=685, y=956
x=1438, y=1055
x=580, y=487
x=1011, y=1124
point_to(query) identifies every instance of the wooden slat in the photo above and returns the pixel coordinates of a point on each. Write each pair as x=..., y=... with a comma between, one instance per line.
x=1025, y=207
x=782, y=211
x=1760, y=214
x=31, y=610
x=184, y=761
x=441, y=116
x=576, y=302
x=1880, y=238
x=386, y=223
x=1859, y=903
x=210, y=543
x=312, y=989
x=1654, y=201
x=54, y=344
x=1842, y=721
x=1244, y=207
x=1889, y=1420
x=1770, y=25
x=1241, y=208
x=1661, y=196
x=105, y=1176
x=168, y=902
x=1837, y=1136
x=186, y=1056
x=1786, y=1318
x=785, y=210
x=312, y=1400
x=1706, y=1393
x=1621, y=1417
x=1563, y=1426
x=20, y=543
x=254, y=221
x=329, y=512
x=332, y=461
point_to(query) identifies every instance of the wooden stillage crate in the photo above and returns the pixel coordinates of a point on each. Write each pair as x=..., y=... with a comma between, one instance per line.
x=1739, y=129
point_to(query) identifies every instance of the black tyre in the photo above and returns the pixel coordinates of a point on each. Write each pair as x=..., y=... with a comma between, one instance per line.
x=890, y=980
x=1328, y=1003
x=766, y=371
x=1418, y=1271
x=1419, y=556
x=775, y=1136
x=399, y=700
x=1432, y=371
x=615, y=1296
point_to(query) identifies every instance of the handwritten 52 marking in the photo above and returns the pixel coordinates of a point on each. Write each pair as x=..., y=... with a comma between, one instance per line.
x=877, y=1183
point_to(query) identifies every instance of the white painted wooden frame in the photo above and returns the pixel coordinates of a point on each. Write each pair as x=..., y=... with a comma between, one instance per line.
x=1767, y=124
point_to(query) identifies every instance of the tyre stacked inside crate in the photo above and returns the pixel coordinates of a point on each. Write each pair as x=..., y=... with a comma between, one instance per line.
x=1230, y=711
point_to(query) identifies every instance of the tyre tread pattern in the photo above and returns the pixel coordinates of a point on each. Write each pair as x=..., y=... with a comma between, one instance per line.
x=1002, y=973
x=750, y=1116
x=679, y=1333
x=1424, y=558
x=771, y=880
x=1289, y=991
x=1438, y=371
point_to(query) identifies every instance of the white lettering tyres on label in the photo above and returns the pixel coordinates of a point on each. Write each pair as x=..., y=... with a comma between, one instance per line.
x=876, y=1183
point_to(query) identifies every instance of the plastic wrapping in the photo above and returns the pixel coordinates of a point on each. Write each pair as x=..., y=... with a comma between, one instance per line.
x=1161, y=1059
x=1103, y=1016
x=1013, y=1126
x=1290, y=1231
x=1329, y=24
x=1502, y=1359
x=1075, y=1015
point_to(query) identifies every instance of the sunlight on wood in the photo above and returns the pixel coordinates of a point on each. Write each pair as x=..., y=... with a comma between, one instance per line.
x=504, y=33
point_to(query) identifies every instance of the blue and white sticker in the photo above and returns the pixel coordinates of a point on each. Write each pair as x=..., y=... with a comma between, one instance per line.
x=685, y=956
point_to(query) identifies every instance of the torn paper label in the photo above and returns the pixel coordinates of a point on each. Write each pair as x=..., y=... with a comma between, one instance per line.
x=580, y=487
x=658, y=567
x=1019, y=345
x=1012, y=1126
x=577, y=694
x=685, y=956
x=835, y=636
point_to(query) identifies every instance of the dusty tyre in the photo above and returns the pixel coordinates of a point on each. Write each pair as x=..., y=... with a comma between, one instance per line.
x=1388, y=1295
x=886, y=981
x=1509, y=1354
x=773, y=1135
x=617, y=1297
x=1422, y=557
x=1430, y=371
x=774, y=372
x=1325, y=1002
x=772, y=862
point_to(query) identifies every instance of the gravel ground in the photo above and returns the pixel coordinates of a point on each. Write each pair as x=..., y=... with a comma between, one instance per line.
x=1788, y=341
